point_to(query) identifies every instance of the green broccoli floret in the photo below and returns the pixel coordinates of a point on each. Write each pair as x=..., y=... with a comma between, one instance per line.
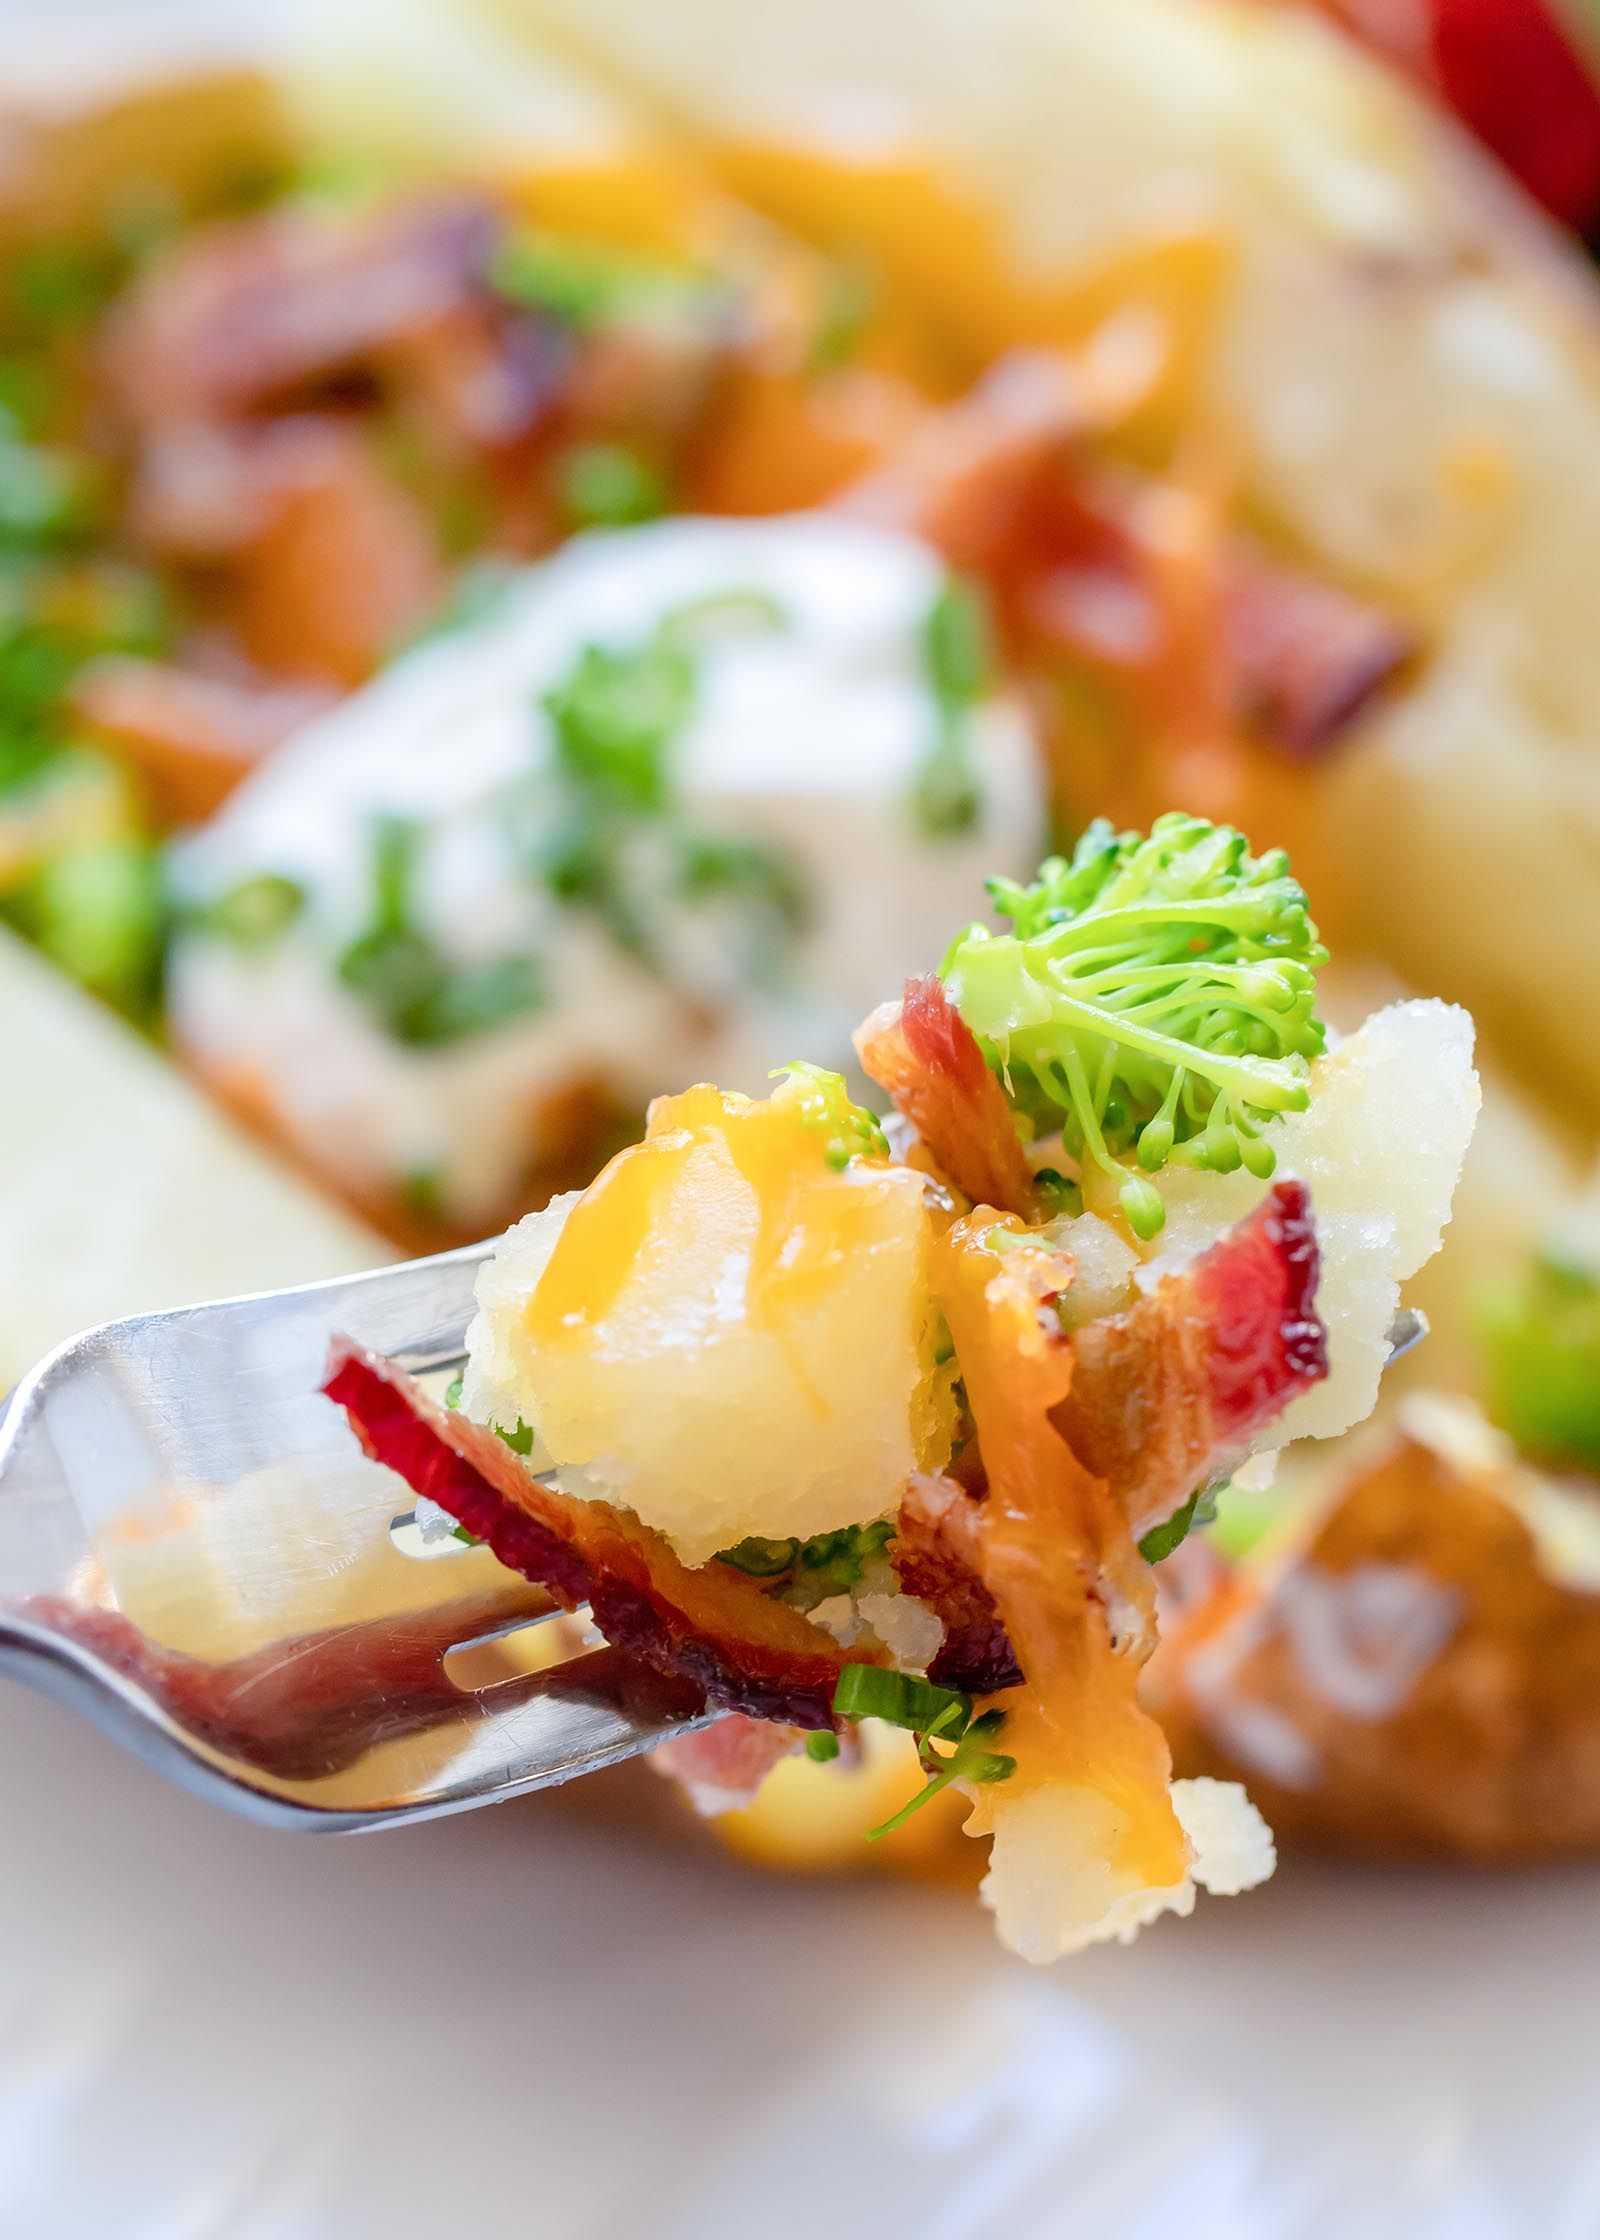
x=1156, y=998
x=849, y=1131
x=1541, y=1332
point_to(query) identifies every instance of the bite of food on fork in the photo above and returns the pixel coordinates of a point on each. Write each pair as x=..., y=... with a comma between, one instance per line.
x=816, y=1418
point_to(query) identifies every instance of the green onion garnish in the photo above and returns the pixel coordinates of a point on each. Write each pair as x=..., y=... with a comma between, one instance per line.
x=256, y=912
x=1199, y=1509
x=944, y=1715
x=900, y=1699
x=608, y=486
x=946, y=795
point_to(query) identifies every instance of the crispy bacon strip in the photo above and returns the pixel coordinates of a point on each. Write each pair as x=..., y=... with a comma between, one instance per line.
x=1298, y=659
x=1082, y=560
x=712, y=1626
x=1308, y=658
x=1162, y=1394
x=721, y=1767
x=241, y=316
x=925, y=1055
x=969, y=477
x=937, y=1557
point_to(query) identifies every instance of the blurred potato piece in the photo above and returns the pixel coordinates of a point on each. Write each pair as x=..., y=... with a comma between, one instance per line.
x=1413, y=1666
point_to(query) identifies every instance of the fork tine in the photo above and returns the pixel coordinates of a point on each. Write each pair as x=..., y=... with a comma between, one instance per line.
x=325, y=1712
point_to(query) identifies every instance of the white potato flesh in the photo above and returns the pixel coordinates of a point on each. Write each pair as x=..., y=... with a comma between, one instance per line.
x=804, y=737
x=1381, y=1147
x=757, y=1362
x=1052, y=1884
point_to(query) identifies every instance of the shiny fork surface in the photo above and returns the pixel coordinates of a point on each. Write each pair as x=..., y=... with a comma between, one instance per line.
x=194, y=1553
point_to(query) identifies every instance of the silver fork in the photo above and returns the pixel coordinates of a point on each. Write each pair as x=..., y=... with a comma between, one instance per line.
x=136, y=1439
x=142, y=1438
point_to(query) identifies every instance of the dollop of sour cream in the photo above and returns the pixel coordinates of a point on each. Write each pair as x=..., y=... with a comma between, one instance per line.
x=812, y=716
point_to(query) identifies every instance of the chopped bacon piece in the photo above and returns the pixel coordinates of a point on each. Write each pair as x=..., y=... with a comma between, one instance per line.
x=722, y=1766
x=713, y=1626
x=1307, y=658
x=324, y=562
x=937, y=1557
x=192, y=736
x=925, y=1055
x=1088, y=560
x=1162, y=1393
x=261, y=311
x=1299, y=659
x=344, y=564
x=968, y=478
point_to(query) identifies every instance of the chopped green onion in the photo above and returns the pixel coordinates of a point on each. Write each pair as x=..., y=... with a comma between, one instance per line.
x=722, y=614
x=1199, y=1509
x=453, y=1390
x=587, y=284
x=608, y=486
x=900, y=1699
x=822, y=1747
x=838, y=1559
x=970, y=1760
x=946, y=795
x=98, y=911
x=761, y=1559
x=848, y=304
x=616, y=715
x=418, y=994
x=422, y=1194
x=256, y=912
x=956, y=645
x=1541, y=1332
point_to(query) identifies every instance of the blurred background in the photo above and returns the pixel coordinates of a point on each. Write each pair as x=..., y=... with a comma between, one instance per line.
x=547, y=547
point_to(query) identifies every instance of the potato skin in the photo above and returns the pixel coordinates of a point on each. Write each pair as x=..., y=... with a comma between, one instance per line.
x=1406, y=1677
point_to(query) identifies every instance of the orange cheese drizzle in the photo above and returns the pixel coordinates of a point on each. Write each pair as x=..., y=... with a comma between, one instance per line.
x=1055, y=1544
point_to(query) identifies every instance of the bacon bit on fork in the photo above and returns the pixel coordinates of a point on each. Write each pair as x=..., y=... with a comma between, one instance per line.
x=1163, y=1393
x=925, y=1055
x=938, y=1557
x=712, y=1626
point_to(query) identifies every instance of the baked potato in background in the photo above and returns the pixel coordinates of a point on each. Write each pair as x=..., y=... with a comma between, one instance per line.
x=1400, y=366
x=1410, y=1662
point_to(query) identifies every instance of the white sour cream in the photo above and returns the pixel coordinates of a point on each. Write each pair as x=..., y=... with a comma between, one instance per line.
x=805, y=735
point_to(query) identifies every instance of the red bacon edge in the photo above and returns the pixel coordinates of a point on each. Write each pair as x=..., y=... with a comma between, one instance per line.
x=712, y=1626
x=925, y=1055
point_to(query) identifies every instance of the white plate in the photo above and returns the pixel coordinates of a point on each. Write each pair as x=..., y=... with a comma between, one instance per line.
x=535, y=2022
